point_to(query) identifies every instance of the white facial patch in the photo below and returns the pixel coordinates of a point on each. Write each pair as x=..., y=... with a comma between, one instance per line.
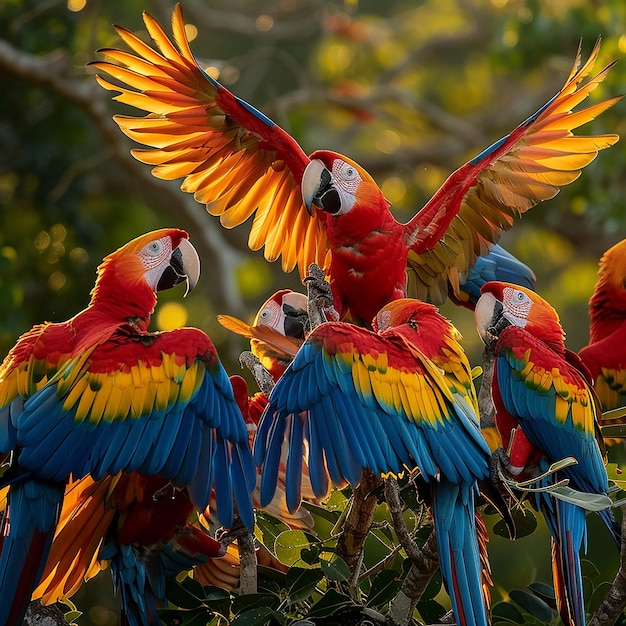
x=270, y=315
x=517, y=305
x=152, y=257
x=346, y=180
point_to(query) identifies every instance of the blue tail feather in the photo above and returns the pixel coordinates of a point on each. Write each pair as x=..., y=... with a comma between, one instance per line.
x=459, y=557
x=33, y=509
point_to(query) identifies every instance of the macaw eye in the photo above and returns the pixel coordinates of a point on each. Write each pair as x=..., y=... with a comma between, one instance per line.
x=155, y=248
x=348, y=172
x=264, y=314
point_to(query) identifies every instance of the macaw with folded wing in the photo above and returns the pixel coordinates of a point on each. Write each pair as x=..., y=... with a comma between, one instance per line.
x=605, y=354
x=101, y=394
x=325, y=208
x=139, y=526
x=546, y=411
x=394, y=400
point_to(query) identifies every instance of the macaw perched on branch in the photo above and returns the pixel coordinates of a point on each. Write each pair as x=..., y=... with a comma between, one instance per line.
x=605, y=354
x=324, y=208
x=546, y=411
x=397, y=399
x=99, y=394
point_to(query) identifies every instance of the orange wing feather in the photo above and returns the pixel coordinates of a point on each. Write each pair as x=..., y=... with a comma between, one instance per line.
x=232, y=157
x=486, y=194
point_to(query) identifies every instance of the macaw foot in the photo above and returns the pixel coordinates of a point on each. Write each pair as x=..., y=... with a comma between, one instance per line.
x=227, y=535
x=260, y=373
x=321, y=306
x=498, y=461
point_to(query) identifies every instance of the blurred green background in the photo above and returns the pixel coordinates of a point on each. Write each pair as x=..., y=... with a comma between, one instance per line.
x=409, y=89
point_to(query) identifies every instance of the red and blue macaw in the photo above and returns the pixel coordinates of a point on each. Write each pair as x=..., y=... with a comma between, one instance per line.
x=325, y=208
x=605, y=354
x=101, y=394
x=397, y=399
x=546, y=411
x=139, y=525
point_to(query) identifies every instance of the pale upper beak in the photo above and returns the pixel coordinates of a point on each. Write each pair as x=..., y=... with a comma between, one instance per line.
x=487, y=312
x=318, y=190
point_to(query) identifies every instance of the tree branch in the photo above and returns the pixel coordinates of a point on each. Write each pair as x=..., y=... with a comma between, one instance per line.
x=614, y=603
x=52, y=72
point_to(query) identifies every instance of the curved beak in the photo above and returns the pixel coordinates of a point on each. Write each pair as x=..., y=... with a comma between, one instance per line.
x=489, y=318
x=318, y=190
x=184, y=265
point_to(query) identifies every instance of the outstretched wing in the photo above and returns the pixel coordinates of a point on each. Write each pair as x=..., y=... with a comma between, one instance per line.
x=482, y=198
x=354, y=400
x=553, y=404
x=231, y=156
x=160, y=404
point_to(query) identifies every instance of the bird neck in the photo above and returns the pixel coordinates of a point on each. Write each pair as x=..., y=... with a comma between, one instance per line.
x=123, y=301
x=607, y=312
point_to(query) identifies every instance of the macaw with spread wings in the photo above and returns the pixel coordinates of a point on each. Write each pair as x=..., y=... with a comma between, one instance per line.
x=325, y=208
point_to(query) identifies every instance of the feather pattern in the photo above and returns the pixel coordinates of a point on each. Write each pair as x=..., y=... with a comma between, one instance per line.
x=396, y=399
x=99, y=394
x=546, y=411
x=242, y=165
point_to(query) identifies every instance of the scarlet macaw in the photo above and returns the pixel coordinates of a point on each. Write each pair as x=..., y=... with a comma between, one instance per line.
x=277, y=331
x=139, y=525
x=605, y=354
x=99, y=394
x=324, y=208
x=395, y=399
x=546, y=411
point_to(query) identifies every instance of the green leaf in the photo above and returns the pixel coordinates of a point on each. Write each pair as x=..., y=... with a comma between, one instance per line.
x=270, y=580
x=302, y=582
x=188, y=594
x=335, y=569
x=256, y=617
x=534, y=605
x=268, y=528
x=254, y=600
x=194, y=617
x=384, y=587
x=289, y=545
x=545, y=592
x=525, y=524
x=588, y=501
x=433, y=587
x=431, y=611
x=506, y=612
x=329, y=604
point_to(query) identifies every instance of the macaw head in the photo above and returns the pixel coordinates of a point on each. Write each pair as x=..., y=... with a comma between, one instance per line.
x=335, y=184
x=131, y=276
x=287, y=312
x=402, y=311
x=278, y=329
x=504, y=304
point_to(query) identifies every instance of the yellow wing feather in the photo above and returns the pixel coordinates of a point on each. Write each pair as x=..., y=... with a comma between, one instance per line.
x=545, y=156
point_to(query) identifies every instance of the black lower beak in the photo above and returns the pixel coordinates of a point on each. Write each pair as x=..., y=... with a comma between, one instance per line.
x=174, y=273
x=295, y=322
x=327, y=199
